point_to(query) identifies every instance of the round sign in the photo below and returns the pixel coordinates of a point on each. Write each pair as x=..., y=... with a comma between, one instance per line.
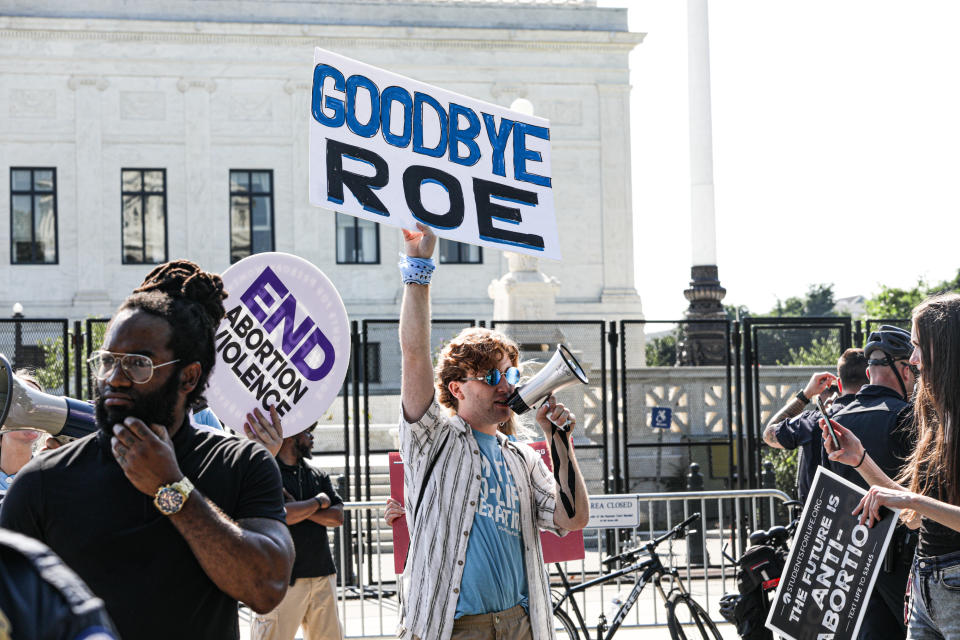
x=285, y=342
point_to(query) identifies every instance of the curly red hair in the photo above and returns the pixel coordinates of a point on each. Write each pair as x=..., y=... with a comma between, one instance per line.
x=472, y=352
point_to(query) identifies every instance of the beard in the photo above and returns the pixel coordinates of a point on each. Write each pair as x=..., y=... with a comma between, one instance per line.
x=303, y=450
x=151, y=408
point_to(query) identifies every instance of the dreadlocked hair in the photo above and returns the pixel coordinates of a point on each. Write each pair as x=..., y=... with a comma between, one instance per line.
x=191, y=300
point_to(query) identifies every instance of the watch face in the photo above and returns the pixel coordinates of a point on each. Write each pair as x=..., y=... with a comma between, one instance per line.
x=169, y=500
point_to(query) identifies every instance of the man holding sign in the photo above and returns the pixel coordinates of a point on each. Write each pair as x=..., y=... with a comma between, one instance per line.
x=475, y=500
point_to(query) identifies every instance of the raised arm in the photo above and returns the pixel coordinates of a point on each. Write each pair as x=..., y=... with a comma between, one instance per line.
x=818, y=382
x=416, y=385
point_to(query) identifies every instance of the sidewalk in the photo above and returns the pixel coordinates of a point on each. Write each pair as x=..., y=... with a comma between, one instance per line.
x=625, y=633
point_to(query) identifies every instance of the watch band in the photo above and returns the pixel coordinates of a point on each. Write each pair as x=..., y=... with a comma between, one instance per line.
x=801, y=396
x=167, y=503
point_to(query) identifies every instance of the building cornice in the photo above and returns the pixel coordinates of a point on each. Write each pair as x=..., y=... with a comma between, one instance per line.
x=327, y=36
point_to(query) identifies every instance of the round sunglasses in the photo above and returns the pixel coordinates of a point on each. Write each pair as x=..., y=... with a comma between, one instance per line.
x=493, y=377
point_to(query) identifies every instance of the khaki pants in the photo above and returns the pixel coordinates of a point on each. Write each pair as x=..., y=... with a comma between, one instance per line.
x=311, y=603
x=512, y=624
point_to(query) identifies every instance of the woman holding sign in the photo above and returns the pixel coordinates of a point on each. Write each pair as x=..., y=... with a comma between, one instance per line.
x=929, y=489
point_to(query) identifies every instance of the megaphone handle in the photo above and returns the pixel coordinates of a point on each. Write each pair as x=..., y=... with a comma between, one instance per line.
x=562, y=436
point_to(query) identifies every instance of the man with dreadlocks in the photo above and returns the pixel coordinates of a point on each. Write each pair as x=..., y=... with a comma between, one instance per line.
x=168, y=524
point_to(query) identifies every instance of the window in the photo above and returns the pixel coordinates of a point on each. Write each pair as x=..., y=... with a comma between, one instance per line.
x=453, y=252
x=33, y=215
x=144, y=193
x=358, y=241
x=251, y=213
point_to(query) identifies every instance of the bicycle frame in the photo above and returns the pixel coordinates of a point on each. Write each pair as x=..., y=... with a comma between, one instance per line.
x=650, y=570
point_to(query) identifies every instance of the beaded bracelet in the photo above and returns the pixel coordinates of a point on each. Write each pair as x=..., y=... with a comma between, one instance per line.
x=416, y=270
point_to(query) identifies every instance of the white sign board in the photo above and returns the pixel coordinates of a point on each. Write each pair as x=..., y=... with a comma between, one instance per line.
x=614, y=511
x=285, y=341
x=396, y=151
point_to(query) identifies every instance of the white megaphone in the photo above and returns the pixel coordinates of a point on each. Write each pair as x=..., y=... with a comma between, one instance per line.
x=560, y=372
x=23, y=407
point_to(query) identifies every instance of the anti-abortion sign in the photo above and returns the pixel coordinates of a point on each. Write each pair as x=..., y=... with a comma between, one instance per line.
x=396, y=151
x=284, y=342
x=832, y=565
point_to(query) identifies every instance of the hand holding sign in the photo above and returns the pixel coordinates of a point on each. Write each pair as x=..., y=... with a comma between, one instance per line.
x=269, y=433
x=869, y=507
x=419, y=244
x=284, y=342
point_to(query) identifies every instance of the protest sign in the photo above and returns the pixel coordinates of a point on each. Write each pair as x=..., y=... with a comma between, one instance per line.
x=555, y=548
x=285, y=341
x=832, y=565
x=397, y=151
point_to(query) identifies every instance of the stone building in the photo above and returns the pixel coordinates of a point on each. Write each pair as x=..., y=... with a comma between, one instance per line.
x=132, y=133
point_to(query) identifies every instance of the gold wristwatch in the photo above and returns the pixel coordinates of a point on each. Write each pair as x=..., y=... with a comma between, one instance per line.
x=170, y=498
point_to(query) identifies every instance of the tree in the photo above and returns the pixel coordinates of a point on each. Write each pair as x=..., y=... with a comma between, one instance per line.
x=893, y=302
x=662, y=351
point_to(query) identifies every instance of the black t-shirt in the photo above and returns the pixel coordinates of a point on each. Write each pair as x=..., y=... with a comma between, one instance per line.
x=310, y=540
x=803, y=432
x=42, y=599
x=936, y=539
x=882, y=420
x=78, y=501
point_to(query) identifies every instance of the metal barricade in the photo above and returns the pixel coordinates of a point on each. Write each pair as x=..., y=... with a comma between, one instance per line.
x=369, y=605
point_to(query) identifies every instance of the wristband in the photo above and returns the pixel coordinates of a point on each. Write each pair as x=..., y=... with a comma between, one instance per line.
x=802, y=397
x=319, y=502
x=862, y=458
x=416, y=270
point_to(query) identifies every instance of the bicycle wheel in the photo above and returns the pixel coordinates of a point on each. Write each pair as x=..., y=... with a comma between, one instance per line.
x=566, y=630
x=687, y=619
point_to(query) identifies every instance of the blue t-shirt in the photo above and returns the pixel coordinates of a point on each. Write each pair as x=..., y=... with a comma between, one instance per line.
x=5, y=481
x=494, y=578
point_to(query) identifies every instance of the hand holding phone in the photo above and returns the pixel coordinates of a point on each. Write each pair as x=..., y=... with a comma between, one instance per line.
x=823, y=411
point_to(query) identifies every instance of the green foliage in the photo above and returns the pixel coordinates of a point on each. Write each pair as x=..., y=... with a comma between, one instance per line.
x=821, y=351
x=818, y=301
x=892, y=302
x=662, y=351
x=784, y=468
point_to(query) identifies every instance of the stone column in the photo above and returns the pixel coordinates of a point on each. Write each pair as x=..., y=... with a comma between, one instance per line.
x=306, y=219
x=615, y=198
x=703, y=343
x=525, y=292
x=201, y=235
x=94, y=237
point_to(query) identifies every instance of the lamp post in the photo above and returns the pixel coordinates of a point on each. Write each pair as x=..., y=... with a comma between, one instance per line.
x=17, y=333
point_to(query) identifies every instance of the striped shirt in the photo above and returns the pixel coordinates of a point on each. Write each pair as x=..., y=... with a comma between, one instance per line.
x=438, y=540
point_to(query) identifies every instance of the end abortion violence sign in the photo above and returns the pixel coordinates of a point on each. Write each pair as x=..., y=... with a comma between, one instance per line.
x=832, y=566
x=285, y=341
x=396, y=151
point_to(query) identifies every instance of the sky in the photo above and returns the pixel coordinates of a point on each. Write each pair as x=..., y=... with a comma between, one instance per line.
x=836, y=137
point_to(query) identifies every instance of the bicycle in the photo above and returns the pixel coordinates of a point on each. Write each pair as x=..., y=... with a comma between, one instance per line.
x=649, y=570
x=758, y=574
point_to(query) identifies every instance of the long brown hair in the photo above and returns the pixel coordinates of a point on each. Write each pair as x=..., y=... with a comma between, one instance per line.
x=934, y=467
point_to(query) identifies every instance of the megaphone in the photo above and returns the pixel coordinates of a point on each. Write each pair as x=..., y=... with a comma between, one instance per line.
x=560, y=372
x=23, y=407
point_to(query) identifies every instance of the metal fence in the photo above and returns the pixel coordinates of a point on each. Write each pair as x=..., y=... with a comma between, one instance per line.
x=369, y=604
x=716, y=412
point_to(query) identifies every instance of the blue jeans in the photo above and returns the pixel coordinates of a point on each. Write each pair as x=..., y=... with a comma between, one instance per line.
x=935, y=598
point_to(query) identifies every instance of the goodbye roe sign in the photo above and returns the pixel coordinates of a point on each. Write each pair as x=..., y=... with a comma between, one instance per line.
x=832, y=565
x=396, y=151
x=285, y=342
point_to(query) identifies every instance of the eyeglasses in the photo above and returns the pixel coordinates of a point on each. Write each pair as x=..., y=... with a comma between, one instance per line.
x=135, y=366
x=492, y=378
